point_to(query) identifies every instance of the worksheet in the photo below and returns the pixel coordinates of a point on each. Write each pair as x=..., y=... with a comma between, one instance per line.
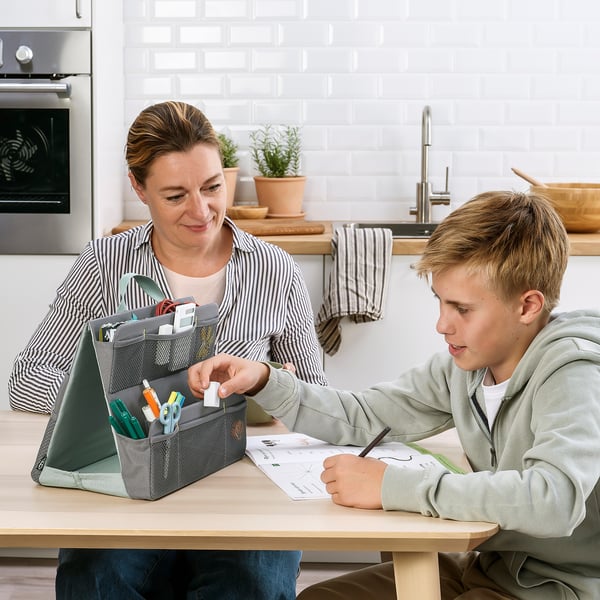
x=294, y=461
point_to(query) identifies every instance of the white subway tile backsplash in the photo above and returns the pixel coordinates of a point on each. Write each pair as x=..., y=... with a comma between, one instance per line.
x=201, y=35
x=380, y=61
x=530, y=113
x=152, y=35
x=328, y=61
x=384, y=112
x=173, y=61
x=480, y=61
x=304, y=34
x=430, y=10
x=226, y=60
x=263, y=35
x=278, y=61
x=174, y=9
x=456, y=86
x=532, y=61
x=302, y=86
x=353, y=86
x=201, y=86
x=481, y=10
x=251, y=86
x=283, y=111
x=328, y=112
x=381, y=10
x=226, y=9
x=142, y=85
x=506, y=87
x=406, y=86
x=277, y=9
x=405, y=35
x=330, y=10
x=356, y=34
x=556, y=87
x=429, y=61
x=459, y=35
x=509, y=82
x=557, y=138
x=350, y=138
x=505, y=138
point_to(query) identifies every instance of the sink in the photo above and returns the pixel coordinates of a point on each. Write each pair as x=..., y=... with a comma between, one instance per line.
x=400, y=229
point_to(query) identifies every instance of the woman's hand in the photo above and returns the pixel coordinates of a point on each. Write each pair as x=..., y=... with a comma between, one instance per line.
x=236, y=375
x=354, y=481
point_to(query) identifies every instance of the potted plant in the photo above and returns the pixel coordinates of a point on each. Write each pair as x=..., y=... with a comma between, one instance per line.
x=230, y=160
x=276, y=152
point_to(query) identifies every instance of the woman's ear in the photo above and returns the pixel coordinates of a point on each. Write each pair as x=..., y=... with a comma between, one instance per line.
x=532, y=305
x=137, y=187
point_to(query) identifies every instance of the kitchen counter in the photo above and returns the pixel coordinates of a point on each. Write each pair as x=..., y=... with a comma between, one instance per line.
x=582, y=244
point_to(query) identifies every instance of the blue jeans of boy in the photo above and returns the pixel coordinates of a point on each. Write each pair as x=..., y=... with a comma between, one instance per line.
x=176, y=574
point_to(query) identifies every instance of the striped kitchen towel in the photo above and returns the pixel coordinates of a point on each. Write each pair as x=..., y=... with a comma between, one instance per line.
x=357, y=282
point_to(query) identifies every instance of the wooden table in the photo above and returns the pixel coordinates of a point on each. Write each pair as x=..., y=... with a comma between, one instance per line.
x=236, y=508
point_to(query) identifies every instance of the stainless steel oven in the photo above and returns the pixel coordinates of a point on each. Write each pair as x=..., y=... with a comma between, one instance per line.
x=45, y=141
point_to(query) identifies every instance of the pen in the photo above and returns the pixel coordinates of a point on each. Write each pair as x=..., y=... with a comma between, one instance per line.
x=375, y=442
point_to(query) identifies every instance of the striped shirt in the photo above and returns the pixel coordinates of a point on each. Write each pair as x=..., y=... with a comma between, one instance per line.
x=265, y=313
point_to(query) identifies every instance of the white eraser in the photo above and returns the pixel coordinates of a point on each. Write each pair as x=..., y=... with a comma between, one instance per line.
x=210, y=394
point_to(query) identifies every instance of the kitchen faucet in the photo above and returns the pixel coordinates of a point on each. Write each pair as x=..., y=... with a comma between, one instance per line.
x=425, y=194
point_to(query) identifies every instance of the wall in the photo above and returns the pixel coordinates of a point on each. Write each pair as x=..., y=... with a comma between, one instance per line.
x=510, y=83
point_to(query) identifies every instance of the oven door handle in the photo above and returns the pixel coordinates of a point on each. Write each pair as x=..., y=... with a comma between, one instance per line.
x=35, y=87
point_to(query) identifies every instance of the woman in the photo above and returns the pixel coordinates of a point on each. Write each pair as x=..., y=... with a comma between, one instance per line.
x=190, y=249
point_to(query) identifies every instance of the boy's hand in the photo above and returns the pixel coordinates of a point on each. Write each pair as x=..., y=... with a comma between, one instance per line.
x=354, y=481
x=236, y=375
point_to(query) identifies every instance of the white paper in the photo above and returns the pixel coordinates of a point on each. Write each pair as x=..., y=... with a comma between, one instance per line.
x=294, y=461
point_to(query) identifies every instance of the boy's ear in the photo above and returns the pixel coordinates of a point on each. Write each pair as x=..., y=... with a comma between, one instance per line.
x=532, y=305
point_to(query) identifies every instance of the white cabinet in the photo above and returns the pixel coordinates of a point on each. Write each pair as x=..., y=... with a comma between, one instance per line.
x=31, y=14
x=29, y=286
x=581, y=284
x=311, y=266
x=381, y=350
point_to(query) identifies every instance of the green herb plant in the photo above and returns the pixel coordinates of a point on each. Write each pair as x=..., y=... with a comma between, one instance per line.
x=276, y=150
x=229, y=148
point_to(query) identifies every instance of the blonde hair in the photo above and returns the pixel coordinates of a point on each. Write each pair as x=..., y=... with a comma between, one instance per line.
x=516, y=240
x=164, y=128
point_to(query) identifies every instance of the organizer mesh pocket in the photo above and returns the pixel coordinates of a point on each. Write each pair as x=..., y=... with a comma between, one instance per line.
x=165, y=463
x=127, y=364
x=203, y=343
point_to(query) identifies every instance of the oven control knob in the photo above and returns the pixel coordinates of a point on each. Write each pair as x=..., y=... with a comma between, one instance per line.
x=24, y=54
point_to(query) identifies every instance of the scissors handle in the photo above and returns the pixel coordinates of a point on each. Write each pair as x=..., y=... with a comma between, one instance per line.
x=169, y=416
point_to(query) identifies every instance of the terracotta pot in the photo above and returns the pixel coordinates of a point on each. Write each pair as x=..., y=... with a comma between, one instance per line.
x=231, y=174
x=282, y=195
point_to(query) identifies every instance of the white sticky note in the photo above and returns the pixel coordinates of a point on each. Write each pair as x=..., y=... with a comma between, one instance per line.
x=210, y=395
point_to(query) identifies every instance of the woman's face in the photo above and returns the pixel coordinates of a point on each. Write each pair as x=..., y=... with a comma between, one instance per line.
x=185, y=193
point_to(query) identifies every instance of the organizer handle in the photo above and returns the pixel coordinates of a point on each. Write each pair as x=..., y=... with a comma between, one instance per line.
x=146, y=283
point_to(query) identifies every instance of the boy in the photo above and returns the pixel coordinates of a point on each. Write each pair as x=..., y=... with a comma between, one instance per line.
x=521, y=387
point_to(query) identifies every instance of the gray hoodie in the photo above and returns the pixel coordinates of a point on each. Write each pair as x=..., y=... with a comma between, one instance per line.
x=536, y=472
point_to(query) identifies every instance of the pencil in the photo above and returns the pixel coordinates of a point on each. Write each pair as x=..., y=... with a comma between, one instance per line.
x=375, y=442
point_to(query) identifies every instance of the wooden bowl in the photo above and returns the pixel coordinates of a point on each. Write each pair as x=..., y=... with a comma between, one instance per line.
x=252, y=211
x=577, y=204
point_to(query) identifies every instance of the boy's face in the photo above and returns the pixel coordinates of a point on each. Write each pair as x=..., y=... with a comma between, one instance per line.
x=481, y=329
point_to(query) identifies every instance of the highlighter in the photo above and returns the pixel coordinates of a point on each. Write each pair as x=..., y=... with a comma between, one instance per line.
x=151, y=398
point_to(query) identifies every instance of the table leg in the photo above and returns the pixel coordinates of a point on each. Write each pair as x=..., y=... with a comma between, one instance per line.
x=417, y=575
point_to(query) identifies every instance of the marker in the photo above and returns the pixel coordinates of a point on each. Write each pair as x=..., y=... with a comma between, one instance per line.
x=375, y=442
x=151, y=398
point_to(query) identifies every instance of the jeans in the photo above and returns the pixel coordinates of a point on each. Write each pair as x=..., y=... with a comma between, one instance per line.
x=176, y=574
